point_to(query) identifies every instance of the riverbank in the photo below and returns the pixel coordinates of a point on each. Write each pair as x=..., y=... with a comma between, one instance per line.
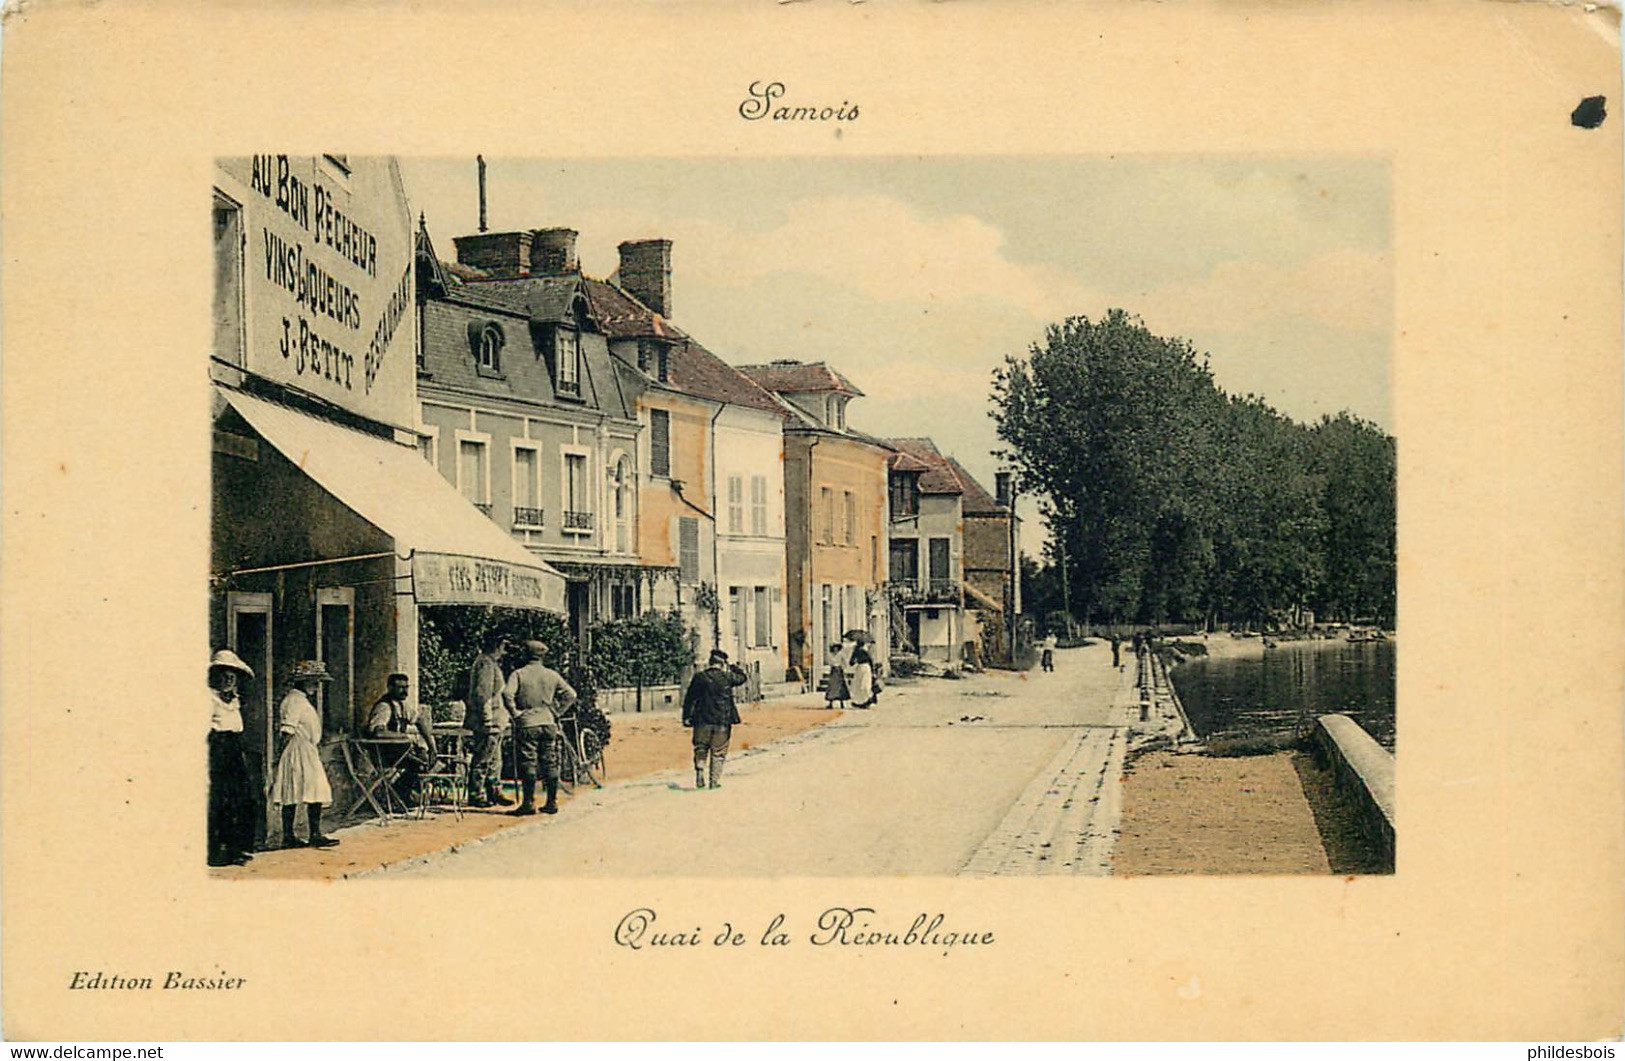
x=1190, y=813
x=1225, y=646
x=641, y=745
x=1239, y=803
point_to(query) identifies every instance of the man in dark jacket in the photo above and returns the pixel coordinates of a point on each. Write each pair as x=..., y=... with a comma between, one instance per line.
x=709, y=708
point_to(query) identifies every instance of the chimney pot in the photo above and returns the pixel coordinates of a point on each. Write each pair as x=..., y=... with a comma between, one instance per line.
x=553, y=251
x=646, y=273
x=1001, y=487
x=502, y=255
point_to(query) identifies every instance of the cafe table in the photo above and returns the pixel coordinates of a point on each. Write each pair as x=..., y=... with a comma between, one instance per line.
x=374, y=763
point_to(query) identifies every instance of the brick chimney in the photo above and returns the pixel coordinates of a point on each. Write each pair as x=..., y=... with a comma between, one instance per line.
x=504, y=255
x=646, y=273
x=1001, y=488
x=553, y=252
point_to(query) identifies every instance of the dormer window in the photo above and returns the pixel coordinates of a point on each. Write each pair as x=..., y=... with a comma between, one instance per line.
x=654, y=358
x=835, y=412
x=485, y=341
x=567, y=360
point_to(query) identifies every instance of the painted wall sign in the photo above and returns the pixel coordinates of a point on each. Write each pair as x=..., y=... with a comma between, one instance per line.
x=328, y=279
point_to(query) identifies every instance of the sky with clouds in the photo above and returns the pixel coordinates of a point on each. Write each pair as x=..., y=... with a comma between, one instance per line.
x=917, y=276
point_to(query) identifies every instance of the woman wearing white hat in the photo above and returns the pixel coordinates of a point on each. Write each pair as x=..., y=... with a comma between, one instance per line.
x=300, y=777
x=231, y=793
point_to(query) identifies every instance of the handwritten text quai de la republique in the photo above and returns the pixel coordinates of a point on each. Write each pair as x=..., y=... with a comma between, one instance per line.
x=838, y=926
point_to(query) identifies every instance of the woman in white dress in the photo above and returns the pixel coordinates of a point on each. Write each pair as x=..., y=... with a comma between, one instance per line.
x=862, y=684
x=300, y=777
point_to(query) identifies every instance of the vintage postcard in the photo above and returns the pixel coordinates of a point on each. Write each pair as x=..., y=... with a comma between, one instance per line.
x=906, y=515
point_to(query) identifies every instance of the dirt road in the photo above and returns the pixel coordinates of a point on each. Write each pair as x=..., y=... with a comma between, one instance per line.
x=995, y=774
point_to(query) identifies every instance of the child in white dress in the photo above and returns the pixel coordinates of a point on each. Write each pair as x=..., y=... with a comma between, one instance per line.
x=300, y=776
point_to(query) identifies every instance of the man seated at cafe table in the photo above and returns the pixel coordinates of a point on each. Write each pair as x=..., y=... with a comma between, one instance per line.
x=397, y=716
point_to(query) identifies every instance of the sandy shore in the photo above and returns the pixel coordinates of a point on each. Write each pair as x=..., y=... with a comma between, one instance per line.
x=1224, y=646
x=639, y=745
x=1187, y=813
x=1200, y=815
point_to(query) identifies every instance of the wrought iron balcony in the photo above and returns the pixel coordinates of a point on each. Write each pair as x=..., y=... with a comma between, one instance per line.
x=483, y=506
x=578, y=521
x=527, y=517
x=924, y=591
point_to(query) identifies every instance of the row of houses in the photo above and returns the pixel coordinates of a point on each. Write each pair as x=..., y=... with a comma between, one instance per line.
x=579, y=416
x=395, y=431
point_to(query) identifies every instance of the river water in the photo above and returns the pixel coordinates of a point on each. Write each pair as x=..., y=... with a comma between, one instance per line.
x=1290, y=685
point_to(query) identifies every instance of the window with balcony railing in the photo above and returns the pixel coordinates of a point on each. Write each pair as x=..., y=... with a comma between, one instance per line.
x=524, y=516
x=925, y=590
x=577, y=495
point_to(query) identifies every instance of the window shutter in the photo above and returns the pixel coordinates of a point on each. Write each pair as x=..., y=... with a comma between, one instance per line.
x=758, y=505
x=688, y=549
x=659, y=442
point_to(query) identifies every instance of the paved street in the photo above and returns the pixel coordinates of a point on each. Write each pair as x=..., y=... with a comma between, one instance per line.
x=997, y=774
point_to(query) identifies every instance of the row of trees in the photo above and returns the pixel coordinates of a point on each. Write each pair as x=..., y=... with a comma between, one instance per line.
x=1169, y=500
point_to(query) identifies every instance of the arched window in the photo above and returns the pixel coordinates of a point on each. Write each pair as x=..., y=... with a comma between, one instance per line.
x=485, y=340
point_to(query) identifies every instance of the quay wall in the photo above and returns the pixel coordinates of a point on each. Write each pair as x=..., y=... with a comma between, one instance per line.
x=1364, y=770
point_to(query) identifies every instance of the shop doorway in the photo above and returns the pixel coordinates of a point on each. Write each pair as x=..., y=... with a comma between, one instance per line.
x=577, y=599
x=248, y=633
x=335, y=638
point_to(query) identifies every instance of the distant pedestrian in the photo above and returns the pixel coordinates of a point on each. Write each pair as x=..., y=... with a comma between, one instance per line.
x=1117, y=651
x=487, y=722
x=231, y=794
x=863, y=688
x=709, y=708
x=300, y=776
x=835, y=690
x=1046, y=658
x=534, y=695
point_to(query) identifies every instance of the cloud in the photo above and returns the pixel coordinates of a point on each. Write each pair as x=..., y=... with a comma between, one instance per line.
x=1348, y=290
x=875, y=244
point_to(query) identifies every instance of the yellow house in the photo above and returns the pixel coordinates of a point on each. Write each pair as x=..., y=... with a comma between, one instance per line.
x=835, y=514
x=676, y=529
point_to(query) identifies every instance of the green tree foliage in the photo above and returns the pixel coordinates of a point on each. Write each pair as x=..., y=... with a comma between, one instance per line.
x=1171, y=500
x=652, y=649
x=449, y=638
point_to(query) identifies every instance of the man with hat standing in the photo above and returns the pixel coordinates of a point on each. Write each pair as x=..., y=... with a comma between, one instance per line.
x=709, y=708
x=231, y=794
x=300, y=776
x=533, y=695
x=486, y=721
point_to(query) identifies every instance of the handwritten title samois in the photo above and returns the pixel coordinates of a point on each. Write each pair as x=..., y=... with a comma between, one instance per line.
x=838, y=926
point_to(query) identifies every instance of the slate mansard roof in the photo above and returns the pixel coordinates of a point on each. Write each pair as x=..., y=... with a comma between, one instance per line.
x=518, y=307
